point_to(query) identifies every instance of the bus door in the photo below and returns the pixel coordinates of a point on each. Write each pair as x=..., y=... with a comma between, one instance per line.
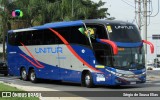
x=102, y=54
x=101, y=51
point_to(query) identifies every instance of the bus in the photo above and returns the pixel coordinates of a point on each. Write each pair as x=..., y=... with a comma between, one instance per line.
x=89, y=52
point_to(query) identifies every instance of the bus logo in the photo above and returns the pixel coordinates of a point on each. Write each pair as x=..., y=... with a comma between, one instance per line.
x=46, y=50
x=123, y=27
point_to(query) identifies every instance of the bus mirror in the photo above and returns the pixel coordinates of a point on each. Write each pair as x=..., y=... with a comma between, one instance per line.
x=111, y=43
x=151, y=45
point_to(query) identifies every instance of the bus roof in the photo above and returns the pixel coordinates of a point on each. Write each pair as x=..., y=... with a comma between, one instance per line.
x=69, y=23
x=102, y=21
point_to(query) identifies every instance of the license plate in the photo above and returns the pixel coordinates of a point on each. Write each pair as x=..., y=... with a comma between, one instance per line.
x=132, y=82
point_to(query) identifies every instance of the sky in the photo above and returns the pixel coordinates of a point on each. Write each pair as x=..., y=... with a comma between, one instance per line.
x=125, y=10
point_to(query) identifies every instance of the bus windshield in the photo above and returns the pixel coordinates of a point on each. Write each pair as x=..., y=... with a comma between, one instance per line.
x=123, y=33
x=129, y=58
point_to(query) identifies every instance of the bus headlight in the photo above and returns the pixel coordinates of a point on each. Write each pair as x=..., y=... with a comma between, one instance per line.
x=100, y=77
x=143, y=74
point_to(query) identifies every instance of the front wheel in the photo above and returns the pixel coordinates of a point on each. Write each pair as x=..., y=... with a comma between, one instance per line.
x=88, y=80
x=32, y=76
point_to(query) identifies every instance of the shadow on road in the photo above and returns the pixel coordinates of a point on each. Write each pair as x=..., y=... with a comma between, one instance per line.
x=50, y=82
x=55, y=84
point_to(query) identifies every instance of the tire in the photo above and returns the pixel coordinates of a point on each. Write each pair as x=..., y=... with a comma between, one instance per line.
x=24, y=75
x=88, y=80
x=32, y=76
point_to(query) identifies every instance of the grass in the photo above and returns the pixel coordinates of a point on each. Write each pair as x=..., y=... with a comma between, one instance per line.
x=4, y=87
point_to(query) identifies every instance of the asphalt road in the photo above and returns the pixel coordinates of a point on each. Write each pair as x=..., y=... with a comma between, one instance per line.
x=150, y=85
x=153, y=72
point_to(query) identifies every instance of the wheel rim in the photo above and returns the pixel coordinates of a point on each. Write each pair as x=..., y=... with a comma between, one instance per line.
x=32, y=76
x=87, y=80
x=24, y=74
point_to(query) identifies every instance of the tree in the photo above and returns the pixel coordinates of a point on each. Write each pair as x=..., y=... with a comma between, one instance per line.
x=93, y=10
x=5, y=22
x=37, y=12
x=82, y=9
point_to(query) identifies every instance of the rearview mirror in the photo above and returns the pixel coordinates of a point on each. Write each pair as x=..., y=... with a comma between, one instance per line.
x=151, y=45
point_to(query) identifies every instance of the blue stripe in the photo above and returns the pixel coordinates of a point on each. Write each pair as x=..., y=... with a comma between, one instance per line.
x=121, y=44
x=98, y=40
x=59, y=24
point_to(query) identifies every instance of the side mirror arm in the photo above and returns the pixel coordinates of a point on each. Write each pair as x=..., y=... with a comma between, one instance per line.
x=111, y=43
x=151, y=45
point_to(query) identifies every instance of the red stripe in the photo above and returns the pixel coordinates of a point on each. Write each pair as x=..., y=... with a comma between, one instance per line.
x=31, y=55
x=30, y=61
x=73, y=52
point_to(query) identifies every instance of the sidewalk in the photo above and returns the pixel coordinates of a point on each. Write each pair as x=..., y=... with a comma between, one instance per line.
x=153, y=78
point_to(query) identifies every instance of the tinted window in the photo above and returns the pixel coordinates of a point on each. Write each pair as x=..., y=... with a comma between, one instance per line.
x=99, y=31
x=65, y=32
x=11, y=39
x=26, y=38
x=77, y=37
x=15, y=39
x=130, y=58
x=73, y=35
x=40, y=37
x=47, y=37
x=123, y=33
x=36, y=37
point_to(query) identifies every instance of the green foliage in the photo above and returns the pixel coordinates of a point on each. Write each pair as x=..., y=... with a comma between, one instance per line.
x=4, y=87
x=37, y=12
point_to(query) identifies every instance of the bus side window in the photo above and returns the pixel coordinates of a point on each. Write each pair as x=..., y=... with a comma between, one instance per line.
x=27, y=38
x=18, y=38
x=37, y=37
x=65, y=33
x=11, y=39
x=49, y=37
x=77, y=37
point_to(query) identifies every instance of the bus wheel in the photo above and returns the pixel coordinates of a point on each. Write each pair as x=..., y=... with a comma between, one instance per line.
x=88, y=80
x=32, y=76
x=24, y=74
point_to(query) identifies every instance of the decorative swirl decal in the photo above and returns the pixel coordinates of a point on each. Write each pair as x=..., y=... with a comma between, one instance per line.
x=40, y=65
x=73, y=52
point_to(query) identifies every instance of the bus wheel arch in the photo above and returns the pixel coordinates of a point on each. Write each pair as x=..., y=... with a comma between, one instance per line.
x=87, y=79
x=32, y=75
x=23, y=73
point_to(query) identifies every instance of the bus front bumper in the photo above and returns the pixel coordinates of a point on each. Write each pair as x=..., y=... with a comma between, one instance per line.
x=115, y=79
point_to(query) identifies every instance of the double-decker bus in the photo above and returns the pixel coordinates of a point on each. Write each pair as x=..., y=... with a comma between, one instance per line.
x=90, y=52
